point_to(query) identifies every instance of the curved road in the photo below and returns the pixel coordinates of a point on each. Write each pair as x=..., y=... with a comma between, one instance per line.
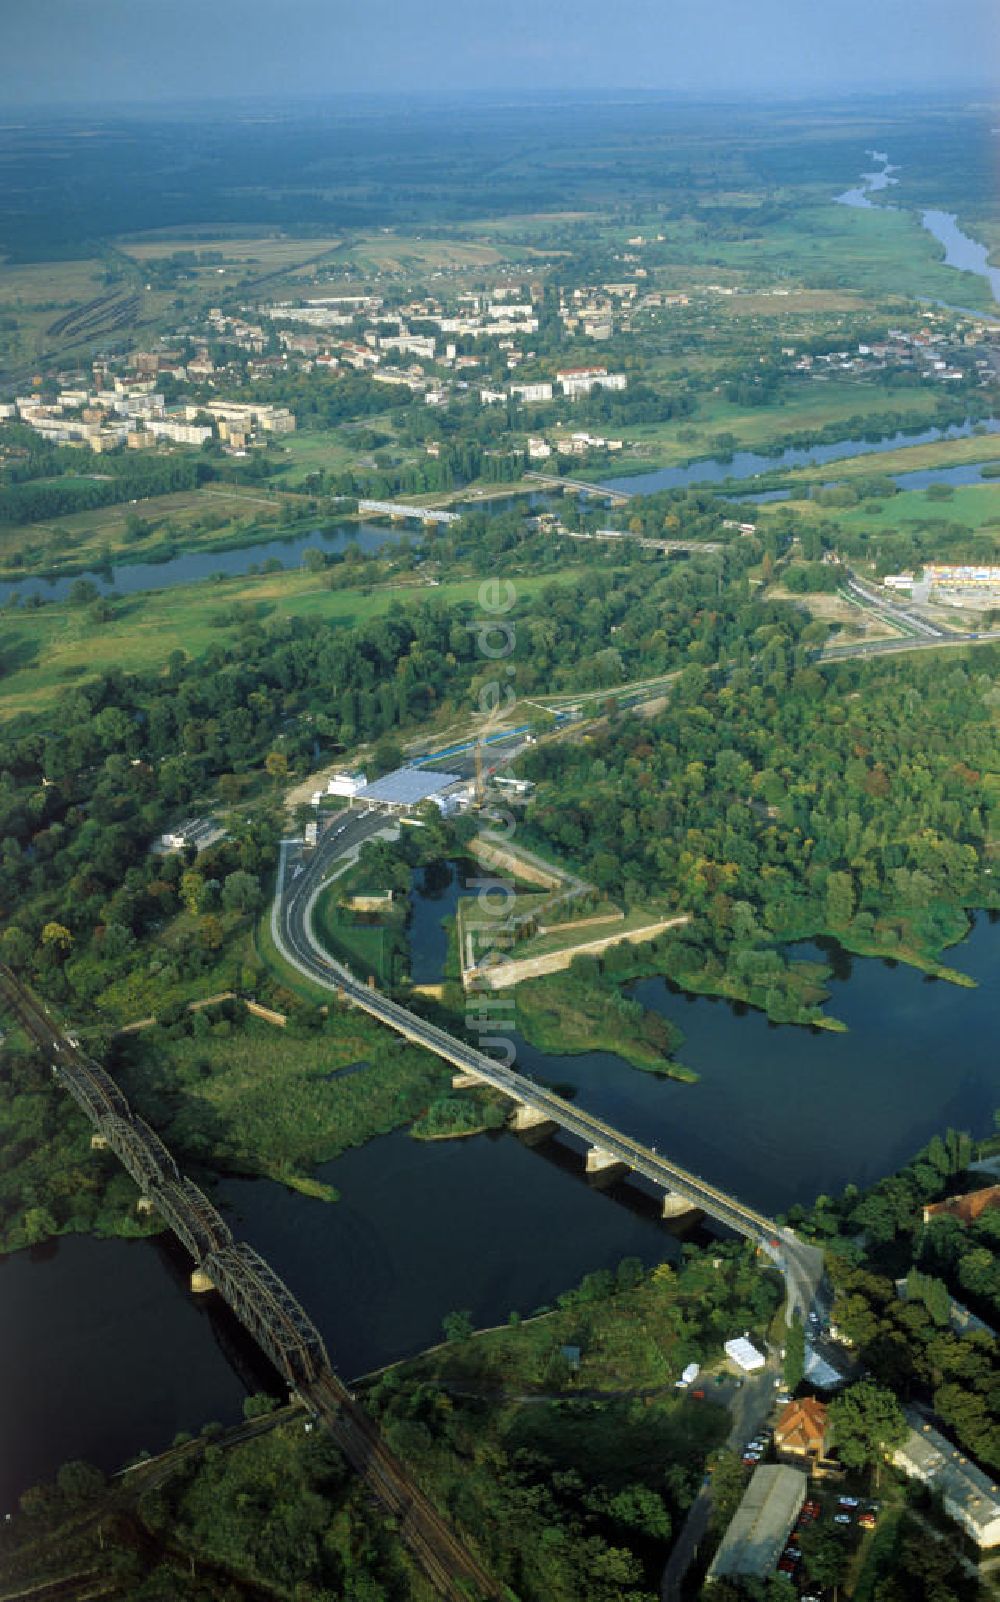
x=300, y=881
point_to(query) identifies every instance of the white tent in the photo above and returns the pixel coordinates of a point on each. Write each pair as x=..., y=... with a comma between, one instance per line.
x=745, y=1355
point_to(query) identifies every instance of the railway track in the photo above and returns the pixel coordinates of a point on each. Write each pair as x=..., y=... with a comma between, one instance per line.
x=262, y=1303
x=455, y=1573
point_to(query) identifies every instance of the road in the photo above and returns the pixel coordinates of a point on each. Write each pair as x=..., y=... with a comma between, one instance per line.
x=751, y=1408
x=300, y=881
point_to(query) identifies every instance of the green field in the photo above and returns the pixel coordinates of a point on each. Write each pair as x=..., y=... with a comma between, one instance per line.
x=811, y=406
x=875, y=252
x=972, y=505
x=44, y=650
x=216, y=514
x=907, y=459
x=319, y=451
x=34, y=295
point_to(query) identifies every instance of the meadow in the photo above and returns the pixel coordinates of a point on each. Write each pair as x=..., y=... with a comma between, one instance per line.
x=46, y=648
x=213, y=515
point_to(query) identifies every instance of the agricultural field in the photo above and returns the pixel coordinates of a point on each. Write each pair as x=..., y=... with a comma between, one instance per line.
x=273, y=255
x=35, y=296
x=396, y=255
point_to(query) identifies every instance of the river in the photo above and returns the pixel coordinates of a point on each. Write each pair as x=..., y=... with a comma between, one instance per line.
x=103, y=1351
x=190, y=567
x=743, y=465
x=961, y=251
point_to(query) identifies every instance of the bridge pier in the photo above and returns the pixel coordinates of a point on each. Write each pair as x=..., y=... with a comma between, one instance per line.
x=144, y=1206
x=525, y=1117
x=460, y=1081
x=675, y=1206
x=600, y=1161
x=201, y=1282
x=98, y=1142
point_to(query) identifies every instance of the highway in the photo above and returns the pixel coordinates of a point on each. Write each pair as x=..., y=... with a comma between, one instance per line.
x=300, y=881
x=941, y=642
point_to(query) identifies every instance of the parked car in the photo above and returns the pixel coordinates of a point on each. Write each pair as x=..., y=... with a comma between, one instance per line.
x=867, y=1521
x=842, y=1518
x=848, y=1501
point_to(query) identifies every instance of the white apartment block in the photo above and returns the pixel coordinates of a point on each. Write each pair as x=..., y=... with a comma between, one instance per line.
x=575, y=381
x=532, y=393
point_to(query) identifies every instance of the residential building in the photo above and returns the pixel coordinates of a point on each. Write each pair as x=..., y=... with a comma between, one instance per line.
x=575, y=381
x=968, y=1496
x=532, y=393
x=971, y=1206
x=800, y=1432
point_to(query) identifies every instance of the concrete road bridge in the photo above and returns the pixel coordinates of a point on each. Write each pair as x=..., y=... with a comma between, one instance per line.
x=301, y=878
x=580, y=486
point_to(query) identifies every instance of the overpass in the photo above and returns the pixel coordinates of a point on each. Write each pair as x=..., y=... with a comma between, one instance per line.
x=259, y=1298
x=535, y=1106
x=399, y=512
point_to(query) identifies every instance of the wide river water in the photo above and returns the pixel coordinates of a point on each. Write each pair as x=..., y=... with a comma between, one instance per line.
x=190, y=567
x=103, y=1351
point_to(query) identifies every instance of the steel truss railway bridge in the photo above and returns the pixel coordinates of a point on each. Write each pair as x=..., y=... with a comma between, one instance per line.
x=260, y=1300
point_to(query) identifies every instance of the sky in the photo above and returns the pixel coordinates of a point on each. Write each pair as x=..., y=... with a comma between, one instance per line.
x=104, y=51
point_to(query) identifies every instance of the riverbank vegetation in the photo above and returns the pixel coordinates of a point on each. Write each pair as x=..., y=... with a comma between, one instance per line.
x=778, y=802
x=917, y=1299
x=568, y=1475
x=584, y=1009
x=236, y=1093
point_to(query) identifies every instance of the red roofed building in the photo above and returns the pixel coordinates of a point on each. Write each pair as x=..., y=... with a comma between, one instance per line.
x=965, y=1208
x=800, y=1432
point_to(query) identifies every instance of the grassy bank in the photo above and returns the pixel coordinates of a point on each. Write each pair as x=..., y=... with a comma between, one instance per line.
x=577, y=1011
x=566, y=1482
x=56, y=645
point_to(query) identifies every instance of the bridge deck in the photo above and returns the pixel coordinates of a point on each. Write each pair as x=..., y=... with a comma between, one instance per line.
x=575, y=1120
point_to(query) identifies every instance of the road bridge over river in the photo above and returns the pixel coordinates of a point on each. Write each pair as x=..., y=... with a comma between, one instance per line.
x=301, y=877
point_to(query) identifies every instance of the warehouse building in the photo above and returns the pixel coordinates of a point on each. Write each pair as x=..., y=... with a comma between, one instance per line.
x=761, y=1525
